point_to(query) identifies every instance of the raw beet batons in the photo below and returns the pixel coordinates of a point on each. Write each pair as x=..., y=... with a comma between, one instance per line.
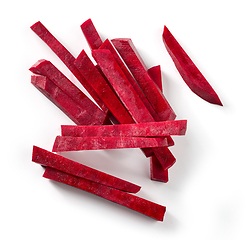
x=188, y=70
x=61, y=163
x=133, y=202
x=62, y=144
x=149, y=129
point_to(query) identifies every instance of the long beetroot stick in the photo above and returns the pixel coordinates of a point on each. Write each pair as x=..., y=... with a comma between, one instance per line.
x=46, y=68
x=66, y=57
x=102, y=88
x=188, y=70
x=133, y=202
x=74, y=111
x=131, y=57
x=58, y=162
x=63, y=143
x=150, y=129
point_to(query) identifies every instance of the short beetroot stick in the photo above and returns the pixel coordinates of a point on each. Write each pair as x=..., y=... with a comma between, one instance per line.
x=108, y=45
x=133, y=202
x=102, y=88
x=46, y=158
x=66, y=104
x=151, y=129
x=131, y=57
x=64, y=143
x=46, y=68
x=91, y=34
x=67, y=58
x=156, y=75
x=156, y=171
x=188, y=70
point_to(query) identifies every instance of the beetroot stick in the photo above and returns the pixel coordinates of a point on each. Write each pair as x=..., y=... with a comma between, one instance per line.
x=188, y=70
x=133, y=202
x=58, y=162
x=131, y=57
x=156, y=76
x=108, y=45
x=91, y=34
x=102, y=88
x=66, y=57
x=156, y=171
x=74, y=111
x=95, y=143
x=150, y=129
x=46, y=68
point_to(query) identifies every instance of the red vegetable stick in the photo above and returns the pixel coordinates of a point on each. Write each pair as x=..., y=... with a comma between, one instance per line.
x=121, y=85
x=165, y=157
x=46, y=68
x=133, y=202
x=156, y=170
x=126, y=93
x=156, y=76
x=67, y=58
x=137, y=67
x=188, y=70
x=151, y=129
x=102, y=88
x=91, y=34
x=64, y=102
x=58, y=162
x=62, y=143
x=108, y=45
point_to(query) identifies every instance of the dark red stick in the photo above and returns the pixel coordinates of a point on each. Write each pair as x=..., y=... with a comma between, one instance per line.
x=62, y=143
x=188, y=70
x=133, y=202
x=74, y=111
x=58, y=162
x=151, y=129
x=156, y=170
x=66, y=57
x=156, y=75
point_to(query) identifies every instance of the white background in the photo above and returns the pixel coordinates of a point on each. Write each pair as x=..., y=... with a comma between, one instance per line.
x=205, y=195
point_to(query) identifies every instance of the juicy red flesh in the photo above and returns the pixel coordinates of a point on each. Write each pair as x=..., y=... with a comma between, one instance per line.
x=188, y=70
x=74, y=111
x=133, y=202
x=151, y=129
x=58, y=162
x=102, y=88
x=63, y=143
